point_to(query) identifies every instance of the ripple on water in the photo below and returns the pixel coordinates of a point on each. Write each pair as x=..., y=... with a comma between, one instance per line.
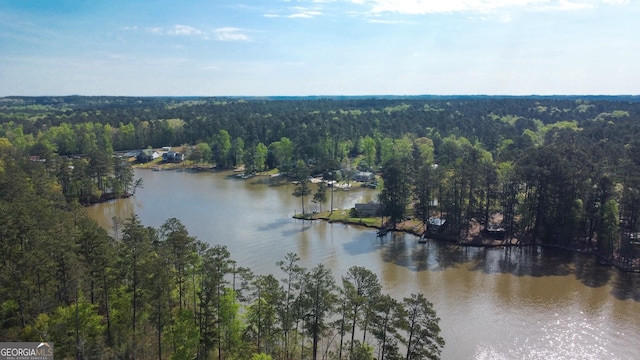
x=561, y=338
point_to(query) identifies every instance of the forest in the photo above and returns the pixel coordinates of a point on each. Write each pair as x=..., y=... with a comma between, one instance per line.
x=556, y=171
x=146, y=292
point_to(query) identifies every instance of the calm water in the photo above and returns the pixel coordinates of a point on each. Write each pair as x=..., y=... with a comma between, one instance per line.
x=493, y=303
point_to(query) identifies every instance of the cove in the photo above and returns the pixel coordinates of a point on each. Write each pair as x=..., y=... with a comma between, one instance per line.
x=502, y=303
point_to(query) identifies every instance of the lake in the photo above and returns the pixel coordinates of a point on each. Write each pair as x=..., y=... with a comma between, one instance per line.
x=517, y=303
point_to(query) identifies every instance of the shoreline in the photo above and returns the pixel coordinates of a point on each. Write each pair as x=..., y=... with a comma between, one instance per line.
x=411, y=227
x=416, y=228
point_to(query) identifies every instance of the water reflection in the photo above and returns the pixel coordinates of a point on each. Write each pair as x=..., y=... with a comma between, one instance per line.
x=362, y=243
x=500, y=303
x=626, y=286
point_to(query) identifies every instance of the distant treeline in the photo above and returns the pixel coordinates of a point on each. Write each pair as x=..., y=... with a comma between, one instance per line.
x=563, y=171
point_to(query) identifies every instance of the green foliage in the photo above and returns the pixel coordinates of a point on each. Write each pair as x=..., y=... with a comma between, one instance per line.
x=75, y=329
x=302, y=185
x=183, y=333
x=557, y=171
x=201, y=153
x=369, y=149
x=221, y=149
x=394, y=197
x=609, y=231
x=423, y=331
x=320, y=196
x=261, y=356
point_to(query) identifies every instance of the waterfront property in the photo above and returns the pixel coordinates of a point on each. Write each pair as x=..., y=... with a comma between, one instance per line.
x=368, y=210
x=147, y=155
x=173, y=157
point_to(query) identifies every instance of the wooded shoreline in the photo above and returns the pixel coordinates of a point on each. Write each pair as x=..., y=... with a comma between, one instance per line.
x=417, y=228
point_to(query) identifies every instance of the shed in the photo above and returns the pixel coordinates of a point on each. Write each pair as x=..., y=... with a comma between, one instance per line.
x=368, y=209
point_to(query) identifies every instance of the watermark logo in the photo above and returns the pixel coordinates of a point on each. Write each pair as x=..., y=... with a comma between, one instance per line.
x=26, y=351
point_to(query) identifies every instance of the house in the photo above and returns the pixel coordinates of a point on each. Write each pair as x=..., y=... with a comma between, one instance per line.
x=364, y=176
x=130, y=154
x=436, y=224
x=173, y=157
x=147, y=155
x=368, y=209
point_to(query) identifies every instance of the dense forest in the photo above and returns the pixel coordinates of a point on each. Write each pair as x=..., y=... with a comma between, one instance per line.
x=555, y=171
x=561, y=171
x=159, y=293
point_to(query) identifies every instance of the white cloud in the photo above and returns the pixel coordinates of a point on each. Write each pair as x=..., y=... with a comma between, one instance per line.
x=156, y=30
x=301, y=12
x=230, y=34
x=176, y=30
x=220, y=34
x=421, y=7
x=184, y=30
x=306, y=14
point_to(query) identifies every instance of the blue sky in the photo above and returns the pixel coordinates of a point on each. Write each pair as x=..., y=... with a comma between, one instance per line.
x=319, y=47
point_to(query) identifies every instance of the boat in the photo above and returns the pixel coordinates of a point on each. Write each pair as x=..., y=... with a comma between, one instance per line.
x=382, y=232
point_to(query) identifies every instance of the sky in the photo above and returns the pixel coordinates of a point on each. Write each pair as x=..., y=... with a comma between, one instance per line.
x=319, y=47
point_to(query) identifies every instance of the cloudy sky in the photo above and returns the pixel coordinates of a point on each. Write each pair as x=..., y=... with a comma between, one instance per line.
x=319, y=47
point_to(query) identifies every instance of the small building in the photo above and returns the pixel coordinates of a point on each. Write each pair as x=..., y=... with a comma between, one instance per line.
x=364, y=176
x=173, y=157
x=436, y=224
x=147, y=155
x=130, y=154
x=368, y=209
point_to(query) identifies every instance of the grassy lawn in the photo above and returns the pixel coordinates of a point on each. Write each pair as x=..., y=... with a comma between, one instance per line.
x=341, y=216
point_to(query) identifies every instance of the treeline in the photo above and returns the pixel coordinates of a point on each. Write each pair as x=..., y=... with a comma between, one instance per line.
x=561, y=171
x=146, y=292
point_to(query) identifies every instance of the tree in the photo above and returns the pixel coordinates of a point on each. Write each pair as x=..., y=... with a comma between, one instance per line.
x=159, y=283
x=221, y=149
x=201, y=152
x=231, y=324
x=291, y=282
x=319, y=299
x=262, y=312
x=122, y=182
x=76, y=330
x=302, y=187
x=97, y=255
x=184, y=334
x=424, y=191
x=180, y=250
x=216, y=264
x=282, y=151
x=260, y=156
x=136, y=257
x=369, y=149
x=394, y=197
x=237, y=151
x=360, y=288
x=386, y=322
x=609, y=234
x=320, y=196
x=423, y=333
x=302, y=190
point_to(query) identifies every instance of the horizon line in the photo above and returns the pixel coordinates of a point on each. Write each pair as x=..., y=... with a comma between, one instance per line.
x=327, y=96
